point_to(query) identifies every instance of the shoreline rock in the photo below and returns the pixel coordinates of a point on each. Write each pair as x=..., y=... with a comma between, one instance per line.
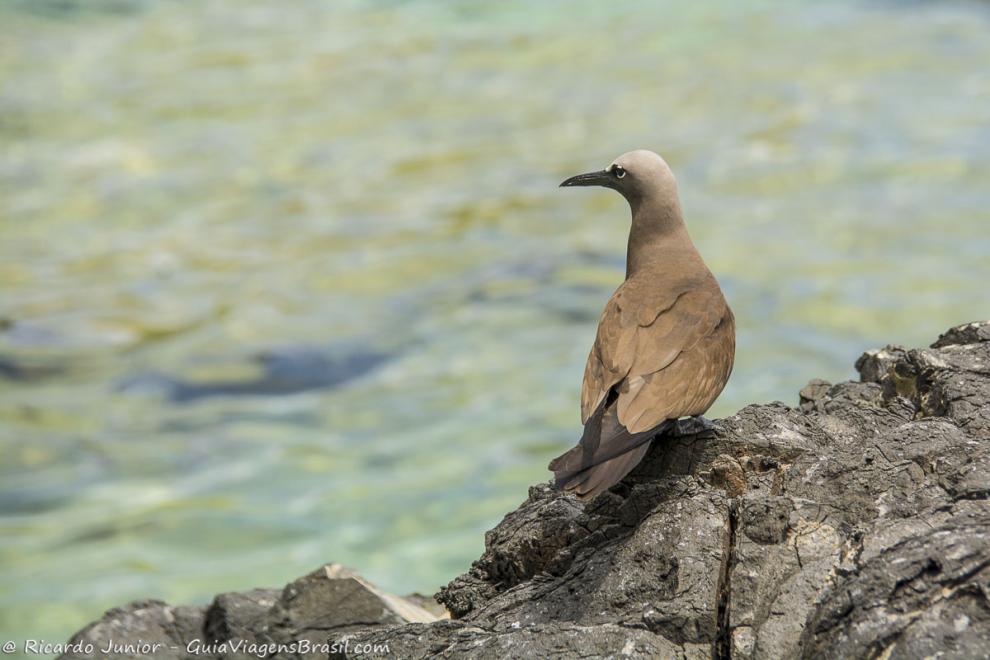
x=856, y=525
x=294, y=622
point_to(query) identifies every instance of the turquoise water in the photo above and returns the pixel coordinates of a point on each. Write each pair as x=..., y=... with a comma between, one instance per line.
x=292, y=283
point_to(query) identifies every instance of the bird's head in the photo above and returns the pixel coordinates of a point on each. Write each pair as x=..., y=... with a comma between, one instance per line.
x=636, y=175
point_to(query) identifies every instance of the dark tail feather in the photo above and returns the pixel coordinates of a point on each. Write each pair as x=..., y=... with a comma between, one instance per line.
x=606, y=453
x=599, y=478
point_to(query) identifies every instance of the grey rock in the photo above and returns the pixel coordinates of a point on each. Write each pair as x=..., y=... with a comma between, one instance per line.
x=240, y=617
x=784, y=510
x=139, y=630
x=968, y=333
x=873, y=366
x=428, y=603
x=316, y=609
x=321, y=606
x=814, y=391
x=856, y=525
x=926, y=596
x=452, y=639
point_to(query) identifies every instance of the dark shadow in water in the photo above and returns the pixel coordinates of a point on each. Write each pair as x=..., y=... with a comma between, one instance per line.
x=70, y=9
x=286, y=371
x=25, y=372
x=34, y=502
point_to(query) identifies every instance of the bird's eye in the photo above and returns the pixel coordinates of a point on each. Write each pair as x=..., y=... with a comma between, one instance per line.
x=618, y=172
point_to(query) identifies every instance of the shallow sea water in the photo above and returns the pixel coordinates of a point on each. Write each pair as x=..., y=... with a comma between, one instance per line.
x=292, y=283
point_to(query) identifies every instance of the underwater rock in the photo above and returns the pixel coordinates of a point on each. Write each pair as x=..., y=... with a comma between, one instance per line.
x=856, y=525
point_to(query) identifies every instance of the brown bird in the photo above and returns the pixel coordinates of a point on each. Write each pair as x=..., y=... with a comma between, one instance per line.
x=666, y=340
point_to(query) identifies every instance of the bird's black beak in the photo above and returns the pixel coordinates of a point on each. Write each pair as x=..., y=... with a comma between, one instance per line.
x=599, y=178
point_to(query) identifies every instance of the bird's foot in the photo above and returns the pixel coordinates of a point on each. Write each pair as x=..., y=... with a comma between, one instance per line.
x=691, y=426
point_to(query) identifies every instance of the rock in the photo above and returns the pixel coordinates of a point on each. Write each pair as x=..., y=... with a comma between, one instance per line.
x=428, y=603
x=857, y=525
x=235, y=617
x=925, y=596
x=139, y=630
x=815, y=390
x=453, y=639
x=302, y=620
x=873, y=366
x=747, y=533
x=968, y=333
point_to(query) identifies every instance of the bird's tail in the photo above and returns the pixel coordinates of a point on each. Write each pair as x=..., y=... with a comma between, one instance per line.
x=606, y=453
x=591, y=481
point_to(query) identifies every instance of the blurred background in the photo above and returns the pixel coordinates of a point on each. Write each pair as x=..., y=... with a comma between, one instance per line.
x=289, y=283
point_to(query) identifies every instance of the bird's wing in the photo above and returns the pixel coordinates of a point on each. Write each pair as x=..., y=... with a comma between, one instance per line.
x=661, y=350
x=630, y=308
x=690, y=383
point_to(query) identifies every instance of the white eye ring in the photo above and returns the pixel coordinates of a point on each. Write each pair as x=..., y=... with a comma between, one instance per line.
x=618, y=171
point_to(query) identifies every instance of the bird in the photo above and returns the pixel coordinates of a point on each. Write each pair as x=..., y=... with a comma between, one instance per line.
x=666, y=339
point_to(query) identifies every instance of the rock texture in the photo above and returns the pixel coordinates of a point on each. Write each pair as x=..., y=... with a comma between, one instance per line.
x=303, y=620
x=854, y=526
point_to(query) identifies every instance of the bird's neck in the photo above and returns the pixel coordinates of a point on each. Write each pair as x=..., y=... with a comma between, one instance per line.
x=657, y=235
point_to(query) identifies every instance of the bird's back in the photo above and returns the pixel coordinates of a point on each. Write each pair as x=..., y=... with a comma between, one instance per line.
x=664, y=349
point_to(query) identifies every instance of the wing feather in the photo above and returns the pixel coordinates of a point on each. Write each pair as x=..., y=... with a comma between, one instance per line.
x=661, y=355
x=633, y=306
x=626, y=348
x=688, y=385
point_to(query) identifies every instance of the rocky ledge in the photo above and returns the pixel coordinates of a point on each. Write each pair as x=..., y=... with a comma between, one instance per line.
x=856, y=525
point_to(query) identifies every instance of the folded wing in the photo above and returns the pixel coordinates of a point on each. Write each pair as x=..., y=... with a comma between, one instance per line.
x=658, y=356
